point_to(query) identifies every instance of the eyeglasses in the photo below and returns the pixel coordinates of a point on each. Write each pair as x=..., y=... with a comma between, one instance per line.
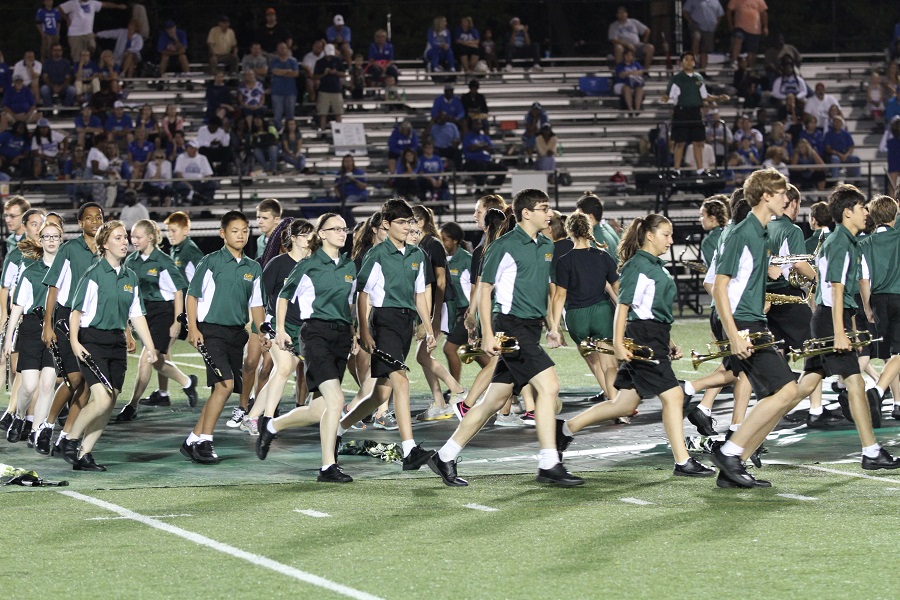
x=51, y=238
x=415, y=232
x=11, y=215
x=543, y=209
x=402, y=222
x=338, y=229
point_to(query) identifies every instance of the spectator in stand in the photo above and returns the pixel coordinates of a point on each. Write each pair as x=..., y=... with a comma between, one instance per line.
x=171, y=123
x=15, y=151
x=220, y=99
x=102, y=102
x=147, y=120
x=407, y=167
x=48, y=20
x=629, y=83
x=747, y=131
x=119, y=126
x=316, y=53
x=748, y=152
x=176, y=146
x=535, y=118
x=813, y=135
x=194, y=168
x=172, y=46
x=18, y=104
x=446, y=138
x=285, y=70
x=350, y=184
x=330, y=71
x=748, y=20
x=56, y=79
x=892, y=147
x=809, y=178
x=30, y=70
x=5, y=75
x=792, y=116
x=762, y=123
x=256, y=61
x=466, y=44
x=251, y=97
x=707, y=156
x=338, y=34
x=215, y=145
x=87, y=125
x=381, y=66
x=876, y=92
x=519, y=46
x=775, y=160
x=778, y=137
x=80, y=16
x=75, y=169
x=892, y=107
x=438, y=50
x=839, y=148
x=475, y=105
x=477, y=149
x=718, y=135
x=48, y=147
x=703, y=18
x=109, y=72
x=108, y=167
x=130, y=55
x=133, y=211
x=789, y=82
x=272, y=33
x=746, y=84
x=292, y=146
x=819, y=104
x=545, y=145
x=630, y=34
x=264, y=139
x=432, y=183
x=159, y=174
x=140, y=149
x=402, y=137
x=777, y=53
x=449, y=104
x=489, y=50
x=222, y=45
x=87, y=77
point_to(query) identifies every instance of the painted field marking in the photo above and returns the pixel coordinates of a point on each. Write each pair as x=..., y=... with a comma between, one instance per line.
x=637, y=501
x=632, y=448
x=149, y=517
x=481, y=507
x=311, y=513
x=838, y=472
x=202, y=540
x=797, y=497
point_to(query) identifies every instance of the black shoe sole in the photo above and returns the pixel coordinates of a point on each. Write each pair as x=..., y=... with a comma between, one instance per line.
x=418, y=464
x=186, y=452
x=728, y=484
x=724, y=470
x=889, y=467
x=559, y=482
x=458, y=482
x=701, y=474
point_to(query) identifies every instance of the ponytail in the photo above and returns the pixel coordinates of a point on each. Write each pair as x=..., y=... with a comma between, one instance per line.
x=634, y=236
x=315, y=241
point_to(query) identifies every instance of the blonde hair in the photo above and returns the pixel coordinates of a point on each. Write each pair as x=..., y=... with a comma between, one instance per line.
x=32, y=249
x=103, y=234
x=151, y=229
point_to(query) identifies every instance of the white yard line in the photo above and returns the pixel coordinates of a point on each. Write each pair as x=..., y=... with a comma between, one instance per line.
x=797, y=497
x=637, y=501
x=481, y=507
x=311, y=513
x=202, y=540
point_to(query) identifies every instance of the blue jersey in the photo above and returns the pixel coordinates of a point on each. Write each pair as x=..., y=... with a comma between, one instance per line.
x=432, y=165
x=48, y=20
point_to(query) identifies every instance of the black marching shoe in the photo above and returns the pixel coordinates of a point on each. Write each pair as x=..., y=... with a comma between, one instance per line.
x=558, y=476
x=187, y=450
x=882, y=461
x=823, y=421
x=32, y=439
x=42, y=445
x=562, y=440
x=596, y=398
x=895, y=412
x=755, y=457
x=702, y=421
x=204, y=452
x=874, y=399
x=86, y=463
x=417, y=457
x=265, y=438
x=14, y=432
x=26, y=431
x=693, y=468
x=724, y=482
x=844, y=401
x=70, y=450
x=155, y=399
x=6, y=421
x=731, y=467
x=128, y=414
x=191, y=391
x=447, y=471
x=333, y=474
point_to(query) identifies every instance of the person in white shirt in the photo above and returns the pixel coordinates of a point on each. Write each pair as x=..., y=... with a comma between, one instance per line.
x=46, y=147
x=215, y=144
x=630, y=34
x=819, y=104
x=159, y=176
x=708, y=156
x=195, y=169
x=30, y=71
x=80, y=14
x=133, y=211
x=308, y=64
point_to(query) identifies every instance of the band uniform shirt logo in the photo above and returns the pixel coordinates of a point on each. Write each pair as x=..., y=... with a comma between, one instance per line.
x=548, y=257
x=248, y=277
x=415, y=266
x=153, y=272
x=127, y=288
x=348, y=278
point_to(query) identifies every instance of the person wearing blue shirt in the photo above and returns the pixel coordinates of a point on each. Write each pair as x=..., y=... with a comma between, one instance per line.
x=446, y=138
x=535, y=118
x=15, y=150
x=839, y=147
x=47, y=20
x=431, y=166
x=629, y=82
x=450, y=105
x=18, y=104
x=87, y=124
x=339, y=35
x=403, y=137
x=350, y=184
x=466, y=44
x=139, y=151
x=284, y=69
x=119, y=125
x=381, y=60
x=437, y=47
x=56, y=78
x=86, y=77
x=172, y=45
x=477, y=149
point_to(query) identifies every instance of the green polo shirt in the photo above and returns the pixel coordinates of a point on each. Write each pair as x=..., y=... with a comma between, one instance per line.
x=108, y=297
x=30, y=290
x=647, y=287
x=605, y=234
x=71, y=263
x=460, y=268
x=261, y=242
x=519, y=267
x=12, y=266
x=186, y=256
x=687, y=90
x=225, y=287
x=709, y=244
x=812, y=242
x=744, y=256
x=392, y=277
x=322, y=287
x=838, y=262
x=160, y=279
x=12, y=242
x=880, y=261
x=785, y=238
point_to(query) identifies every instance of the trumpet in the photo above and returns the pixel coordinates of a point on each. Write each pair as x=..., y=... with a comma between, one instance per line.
x=640, y=353
x=694, y=265
x=779, y=299
x=469, y=352
x=825, y=345
x=722, y=348
x=780, y=261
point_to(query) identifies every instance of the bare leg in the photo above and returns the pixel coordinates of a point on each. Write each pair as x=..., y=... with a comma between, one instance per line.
x=248, y=371
x=212, y=410
x=623, y=405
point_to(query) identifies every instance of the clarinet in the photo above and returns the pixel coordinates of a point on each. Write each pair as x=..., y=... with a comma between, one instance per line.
x=87, y=359
x=204, y=353
x=54, y=351
x=269, y=331
x=385, y=357
x=3, y=333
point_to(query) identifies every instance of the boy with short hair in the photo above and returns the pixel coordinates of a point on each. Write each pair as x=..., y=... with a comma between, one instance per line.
x=592, y=207
x=268, y=215
x=392, y=281
x=224, y=286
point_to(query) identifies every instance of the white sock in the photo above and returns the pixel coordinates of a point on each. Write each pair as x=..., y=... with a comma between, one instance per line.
x=30, y=419
x=341, y=430
x=734, y=427
x=408, y=445
x=206, y=437
x=326, y=467
x=449, y=451
x=816, y=411
x=729, y=448
x=880, y=392
x=566, y=430
x=681, y=464
x=705, y=410
x=872, y=451
x=62, y=436
x=548, y=458
x=841, y=384
x=192, y=439
x=270, y=426
x=689, y=388
x=166, y=393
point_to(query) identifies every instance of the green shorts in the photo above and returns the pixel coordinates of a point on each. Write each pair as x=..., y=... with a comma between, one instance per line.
x=294, y=332
x=595, y=321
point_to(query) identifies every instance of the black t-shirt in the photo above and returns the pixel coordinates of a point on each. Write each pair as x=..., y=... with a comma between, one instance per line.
x=478, y=104
x=584, y=273
x=330, y=83
x=437, y=257
x=477, y=255
x=274, y=275
x=269, y=37
x=560, y=247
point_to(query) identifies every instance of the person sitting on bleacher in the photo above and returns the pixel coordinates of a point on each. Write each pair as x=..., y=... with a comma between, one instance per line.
x=87, y=77
x=48, y=147
x=445, y=135
x=194, y=167
x=789, y=83
x=256, y=61
x=87, y=125
x=546, y=146
x=747, y=131
x=223, y=46
x=292, y=146
x=475, y=105
x=130, y=55
x=776, y=54
x=381, y=68
x=5, y=75
x=779, y=137
x=839, y=148
x=629, y=82
x=466, y=44
x=819, y=104
x=630, y=34
x=172, y=46
x=119, y=126
x=432, y=183
x=139, y=151
x=76, y=170
x=450, y=105
x=19, y=105
x=519, y=45
x=477, y=149
x=15, y=151
x=437, y=47
x=56, y=79
x=251, y=97
x=176, y=147
x=809, y=178
x=535, y=118
x=718, y=134
x=350, y=183
x=147, y=120
x=215, y=145
x=159, y=174
x=402, y=137
x=339, y=35
x=220, y=99
x=109, y=71
x=407, y=185
x=264, y=139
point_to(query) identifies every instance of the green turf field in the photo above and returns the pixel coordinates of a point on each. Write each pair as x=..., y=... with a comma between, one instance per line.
x=157, y=526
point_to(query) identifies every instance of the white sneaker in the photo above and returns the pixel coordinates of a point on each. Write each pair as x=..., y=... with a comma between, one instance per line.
x=435, y=413
x=454, y=398
x=237, y=417
x=509, y=420
x=250, y=426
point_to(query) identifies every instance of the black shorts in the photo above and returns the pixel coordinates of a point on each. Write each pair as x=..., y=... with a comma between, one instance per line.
x=766, y=369
x=731, y=363
x=70, y=363
x=33, y=353
x=392, y=329
x=160, y=316
x=687, y=125
x=326, y=345
x=790, y=322
x=461, y=50
x=107, y=348
x=646, y=378
x=750, y=40
x=226, y=348
x=886, y=308
x=459, y=335
x=518, y=368
x=833, y=363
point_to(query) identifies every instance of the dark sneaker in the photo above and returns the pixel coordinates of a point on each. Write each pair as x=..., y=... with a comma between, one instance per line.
x=527, y=418
x=417, y=457
x=704, y=423
x=187, y=450
x=755, y=457
x=844, y=401
x=204, y=452
x=823, y=421
x=265, y=438
x=70, y=450
x=732, y=467
x=882, y=461
x=693, y=468
x=562, y=440
x=26, y=430
x=724, y=482
x=333, y=474
x=128, y=413
x=87, y=463
x=558, y=476
x=191, y=391
x=874, y=407
x=6, y=421
x=460, y=409
x=895, y=412
x=42, y=445
x=14, y=432
x=155, y=399
x=447, y=471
